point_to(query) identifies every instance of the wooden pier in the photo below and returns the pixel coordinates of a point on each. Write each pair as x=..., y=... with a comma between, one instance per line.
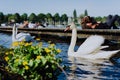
x=113, y=34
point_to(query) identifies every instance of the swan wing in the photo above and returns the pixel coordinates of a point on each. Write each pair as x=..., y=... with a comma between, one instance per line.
x=102, y=47
x=21, y=34
x=24, y=36
x=91, y=44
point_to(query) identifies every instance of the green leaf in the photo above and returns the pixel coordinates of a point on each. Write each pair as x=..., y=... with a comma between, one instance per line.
x=30, y=63
x=43, y=60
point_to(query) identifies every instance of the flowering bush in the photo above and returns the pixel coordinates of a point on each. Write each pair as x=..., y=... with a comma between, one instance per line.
x=33, y=62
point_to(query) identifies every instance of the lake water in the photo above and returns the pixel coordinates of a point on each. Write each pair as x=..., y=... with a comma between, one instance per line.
x=80, y=69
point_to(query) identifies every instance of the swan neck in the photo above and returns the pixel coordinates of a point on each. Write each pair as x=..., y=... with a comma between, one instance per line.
x=16, y=31
x=73, y=40
x=13, y=33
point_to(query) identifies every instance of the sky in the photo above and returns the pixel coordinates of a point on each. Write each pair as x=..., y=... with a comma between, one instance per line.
x=94, y=7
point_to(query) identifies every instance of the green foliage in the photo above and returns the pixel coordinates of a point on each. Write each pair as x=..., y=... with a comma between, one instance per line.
x=12, y=17
x=17, y=17
x=75, y=16
x=86, y=13
x=24, y=17
x=41, y=17
x=100, y=19
x=33, y=17
x=1, y=17
x=33, y=62
x=48, y=15
x=64, y=18
x=57, y=17
x=49, y=18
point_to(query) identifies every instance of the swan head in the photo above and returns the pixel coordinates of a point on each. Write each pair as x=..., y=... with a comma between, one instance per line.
x=70, y=26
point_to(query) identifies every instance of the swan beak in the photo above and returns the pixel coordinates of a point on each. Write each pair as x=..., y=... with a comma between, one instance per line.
x=67, y=28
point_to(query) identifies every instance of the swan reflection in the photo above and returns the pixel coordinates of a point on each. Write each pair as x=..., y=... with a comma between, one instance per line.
x=83, y=69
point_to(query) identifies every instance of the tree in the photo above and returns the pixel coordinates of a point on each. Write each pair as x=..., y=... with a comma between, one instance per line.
x=33, y=17
x=75, y=15
x=1, y=18
x=64, y=18
x=5, y=18
x=24, y=17
x=86, y=13
x=41, y=17
x=56, y=18
x=11, y=17
x=49, y=18
x=17, y=17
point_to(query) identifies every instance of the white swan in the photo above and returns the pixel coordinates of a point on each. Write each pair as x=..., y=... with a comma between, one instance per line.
x=90, y=48
x=20, y=36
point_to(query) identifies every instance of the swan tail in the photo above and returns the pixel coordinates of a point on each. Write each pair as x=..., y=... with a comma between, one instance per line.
x=101, y=55
x=111, y=53
x=105, y=54
x=102, y=47
x=33, y=37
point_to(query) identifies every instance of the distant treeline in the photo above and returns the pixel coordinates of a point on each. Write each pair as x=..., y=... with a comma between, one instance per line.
x=49, y=18
x=45, y=18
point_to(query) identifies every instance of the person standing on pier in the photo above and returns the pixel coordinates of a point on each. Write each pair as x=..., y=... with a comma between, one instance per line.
x=89, y=23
